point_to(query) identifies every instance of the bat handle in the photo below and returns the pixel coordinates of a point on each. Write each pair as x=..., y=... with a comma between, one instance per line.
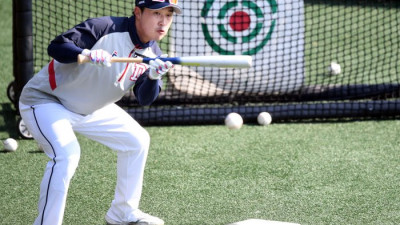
x=83, y=59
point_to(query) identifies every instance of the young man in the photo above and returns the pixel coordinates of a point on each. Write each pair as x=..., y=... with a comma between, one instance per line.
x=64, y=98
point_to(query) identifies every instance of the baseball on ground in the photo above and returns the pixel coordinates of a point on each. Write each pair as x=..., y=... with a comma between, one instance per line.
x=264, y=118
x=233, y=121
x=10, y=145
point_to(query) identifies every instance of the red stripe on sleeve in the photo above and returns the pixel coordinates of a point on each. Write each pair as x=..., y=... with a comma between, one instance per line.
x=52, y=75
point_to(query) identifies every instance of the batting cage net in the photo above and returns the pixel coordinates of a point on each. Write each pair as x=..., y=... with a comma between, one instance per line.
x=312, y=59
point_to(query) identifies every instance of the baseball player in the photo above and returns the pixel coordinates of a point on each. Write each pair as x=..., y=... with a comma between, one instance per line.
x=65, y=97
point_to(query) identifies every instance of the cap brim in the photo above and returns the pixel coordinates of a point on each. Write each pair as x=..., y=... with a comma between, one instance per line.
x=177, y=9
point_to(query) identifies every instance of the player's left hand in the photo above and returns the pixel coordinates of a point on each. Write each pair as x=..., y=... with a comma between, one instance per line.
x=98, y=57
x=158, y=68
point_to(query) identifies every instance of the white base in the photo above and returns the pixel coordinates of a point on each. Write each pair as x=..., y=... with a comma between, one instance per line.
x=261, y=222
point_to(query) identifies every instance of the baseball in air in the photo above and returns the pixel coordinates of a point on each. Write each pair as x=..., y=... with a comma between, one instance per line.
x=10, y=145
x=334, y=68
x=264, y=118
x=233, y=121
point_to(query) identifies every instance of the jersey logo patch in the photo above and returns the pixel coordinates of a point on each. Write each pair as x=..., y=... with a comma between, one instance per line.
x=115, y=53
x=137, y=71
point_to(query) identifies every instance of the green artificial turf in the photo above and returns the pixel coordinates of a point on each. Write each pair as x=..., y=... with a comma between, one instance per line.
x=308, y=173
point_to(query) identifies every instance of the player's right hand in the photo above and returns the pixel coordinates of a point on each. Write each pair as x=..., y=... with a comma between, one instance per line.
x=98, y=57
x=158, y=68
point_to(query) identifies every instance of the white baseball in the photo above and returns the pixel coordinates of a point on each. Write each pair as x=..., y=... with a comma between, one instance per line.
x=233, y=121
x=10, y=145
x=264, y=118
x=334, y=69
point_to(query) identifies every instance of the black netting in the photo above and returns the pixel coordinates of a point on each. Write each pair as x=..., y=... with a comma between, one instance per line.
x=292, y=43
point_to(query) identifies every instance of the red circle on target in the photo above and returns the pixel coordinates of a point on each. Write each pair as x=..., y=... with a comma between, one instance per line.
x=239, y=21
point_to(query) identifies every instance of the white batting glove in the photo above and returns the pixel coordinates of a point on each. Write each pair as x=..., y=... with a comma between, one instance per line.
x=158, y=68
x=98, y=57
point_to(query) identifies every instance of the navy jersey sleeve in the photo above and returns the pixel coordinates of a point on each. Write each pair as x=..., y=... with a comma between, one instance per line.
x=145, y=89
x=66, y=47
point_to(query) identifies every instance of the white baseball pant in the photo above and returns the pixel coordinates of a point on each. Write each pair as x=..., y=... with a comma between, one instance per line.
x=53, y=127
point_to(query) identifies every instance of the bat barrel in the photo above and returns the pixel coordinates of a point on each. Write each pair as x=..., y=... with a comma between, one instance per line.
x=223, y=61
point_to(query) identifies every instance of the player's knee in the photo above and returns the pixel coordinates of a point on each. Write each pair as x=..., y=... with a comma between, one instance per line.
x=68, y=158
x=144, y=140
x=140, y=141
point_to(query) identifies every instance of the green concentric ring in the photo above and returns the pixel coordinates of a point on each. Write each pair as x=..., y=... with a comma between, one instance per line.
x=224, y=33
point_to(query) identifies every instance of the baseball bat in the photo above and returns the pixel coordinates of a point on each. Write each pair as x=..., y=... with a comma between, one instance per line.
x=222, y=61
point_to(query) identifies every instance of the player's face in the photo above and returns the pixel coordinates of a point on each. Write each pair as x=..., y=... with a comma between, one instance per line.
x=153, y=24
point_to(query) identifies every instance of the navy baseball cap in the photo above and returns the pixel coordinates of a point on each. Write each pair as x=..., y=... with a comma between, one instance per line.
x=159, y=4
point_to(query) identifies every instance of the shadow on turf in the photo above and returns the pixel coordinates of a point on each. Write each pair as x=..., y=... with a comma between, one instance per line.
x=35, y=152
x=5, y=152
x=30, y=152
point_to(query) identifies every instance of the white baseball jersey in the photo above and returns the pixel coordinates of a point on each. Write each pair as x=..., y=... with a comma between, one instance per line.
x=86, y=88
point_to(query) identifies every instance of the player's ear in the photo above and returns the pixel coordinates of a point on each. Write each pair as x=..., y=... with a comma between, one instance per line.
x=137, y=12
